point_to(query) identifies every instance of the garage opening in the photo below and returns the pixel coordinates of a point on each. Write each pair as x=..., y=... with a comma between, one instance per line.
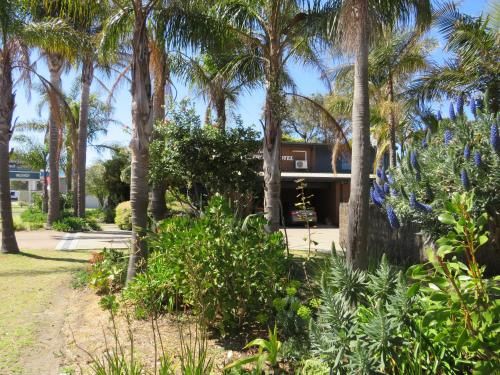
x=322, y=200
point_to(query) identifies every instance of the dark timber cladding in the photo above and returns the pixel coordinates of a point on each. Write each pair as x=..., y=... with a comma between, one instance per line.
x=313, y=163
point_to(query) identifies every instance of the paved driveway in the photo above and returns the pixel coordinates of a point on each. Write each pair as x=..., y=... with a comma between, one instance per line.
x=323, y=236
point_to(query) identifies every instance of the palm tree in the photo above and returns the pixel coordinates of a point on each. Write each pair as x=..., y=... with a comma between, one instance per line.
x=355, y=27
x=473, y=69
x=160, y=69
x=136, y=14
x=214, y=75
x=89, y=22
x=12, y=53
x=393, y=61
x=34, y=154
x=273, y=32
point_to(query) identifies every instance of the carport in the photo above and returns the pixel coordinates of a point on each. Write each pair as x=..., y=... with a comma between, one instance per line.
x=328, y=190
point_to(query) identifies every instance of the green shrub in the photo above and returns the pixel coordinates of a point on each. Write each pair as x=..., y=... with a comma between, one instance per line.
x=95, y=214
x=292, y=315
x=109, y=215
x=33, y=215
x=75, y=224
x=431, y=170
x=446, y=322
x=227, y=269
x=123, y=217
x=108, y=271
x=37, y=200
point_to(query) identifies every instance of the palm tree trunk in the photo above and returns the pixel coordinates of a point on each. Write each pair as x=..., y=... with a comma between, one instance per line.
x=220, y=108
x=55, y=65
x=208, y=114
x=74, y=171
x=45, y=198
x=358, y=203
x=9, y=242
x=83, y=119
x=159, y=190
x=392, y=126
x=139, y=144
x=272, y=140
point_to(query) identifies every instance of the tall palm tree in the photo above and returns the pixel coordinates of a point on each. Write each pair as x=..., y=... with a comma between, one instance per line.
x=33, y=153
x=160, y=69
x=12, y=52
x=273, y=32
x=44, y=13
x=474, y=43
x=393, y=61
x=89, y=19
x=212, y=73
x=136, y=14
x=356, y=26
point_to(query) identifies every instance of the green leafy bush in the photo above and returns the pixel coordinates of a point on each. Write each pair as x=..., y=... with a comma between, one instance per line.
x=33, y=215
x=123, y=217
x=75, y=224
x=292, y=315
x=227, y=269
x=223, y=163
x=462, y=307
x=445, y=322
x=450, y=156
x=108, y=271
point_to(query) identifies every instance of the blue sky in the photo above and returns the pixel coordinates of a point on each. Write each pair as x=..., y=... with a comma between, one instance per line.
x=249, y=105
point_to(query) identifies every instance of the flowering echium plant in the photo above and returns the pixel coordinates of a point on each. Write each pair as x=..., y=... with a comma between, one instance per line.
x=460, y=155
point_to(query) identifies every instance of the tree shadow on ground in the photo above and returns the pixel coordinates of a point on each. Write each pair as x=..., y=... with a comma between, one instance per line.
x=40, y=257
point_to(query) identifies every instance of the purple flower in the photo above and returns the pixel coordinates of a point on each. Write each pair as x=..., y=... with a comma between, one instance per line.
x=424, y=143
x=424, y=207
x=394, y=192
x=473, y=108
x=460, y=105
x=417, y=205
x=391, y=216
x=414, y=161
x=387, y=189
x=380, y=174
x=477, y=158
x=413, y=200
x=479, y=104
x=453, y=117
x=494, y=141
x=376, y=198
x=448, y=136
x=379, y=190
x=390, y=180
x=439, y=116
x=464, y=177
x=467, y=152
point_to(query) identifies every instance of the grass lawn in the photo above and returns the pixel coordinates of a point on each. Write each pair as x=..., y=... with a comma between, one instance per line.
x=27, y=284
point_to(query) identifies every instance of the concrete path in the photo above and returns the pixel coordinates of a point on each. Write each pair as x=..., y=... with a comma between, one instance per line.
x=110, y=237
x=323, y=236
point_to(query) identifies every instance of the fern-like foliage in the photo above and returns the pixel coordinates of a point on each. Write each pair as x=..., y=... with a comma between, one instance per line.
x=364, y=323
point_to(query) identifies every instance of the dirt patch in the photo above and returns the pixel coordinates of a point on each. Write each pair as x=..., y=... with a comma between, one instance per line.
x=44, y=356
x=88, y=330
